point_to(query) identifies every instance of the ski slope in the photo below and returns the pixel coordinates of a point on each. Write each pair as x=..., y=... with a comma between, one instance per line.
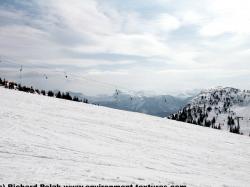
x=49, y=140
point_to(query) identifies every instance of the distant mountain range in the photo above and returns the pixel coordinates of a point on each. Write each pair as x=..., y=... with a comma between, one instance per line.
x=221, y=108
x=160, y=105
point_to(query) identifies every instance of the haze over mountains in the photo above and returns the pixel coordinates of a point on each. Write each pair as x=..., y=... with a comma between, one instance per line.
x=157, y=105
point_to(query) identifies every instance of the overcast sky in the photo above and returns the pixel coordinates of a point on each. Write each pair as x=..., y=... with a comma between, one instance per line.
x=160, y=46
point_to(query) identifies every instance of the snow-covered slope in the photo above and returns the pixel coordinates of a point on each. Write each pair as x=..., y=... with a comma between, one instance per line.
x=224, y=108
x=49, y=140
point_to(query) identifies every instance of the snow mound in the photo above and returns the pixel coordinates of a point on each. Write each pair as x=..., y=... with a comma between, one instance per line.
x=49, y=140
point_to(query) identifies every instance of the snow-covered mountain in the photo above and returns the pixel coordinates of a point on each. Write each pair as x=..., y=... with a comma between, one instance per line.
x=47, y=140
x=158, y=105
x=221, y=108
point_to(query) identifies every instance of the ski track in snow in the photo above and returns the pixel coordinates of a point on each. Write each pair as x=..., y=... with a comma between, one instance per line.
x=49, y=140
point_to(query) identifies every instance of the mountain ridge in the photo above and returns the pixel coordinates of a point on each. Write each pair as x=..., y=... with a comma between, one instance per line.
x=157, y=105
x=223, y=108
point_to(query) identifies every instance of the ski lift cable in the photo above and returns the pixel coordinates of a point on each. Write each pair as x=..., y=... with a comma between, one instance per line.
x=9, y=62
x=66, y=75
x=116, y=87
x=3, y=60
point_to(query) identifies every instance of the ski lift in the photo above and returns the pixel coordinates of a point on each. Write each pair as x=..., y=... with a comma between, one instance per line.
x=116, y=92
x=65, y=74
x=21, y=69
x=45, y=76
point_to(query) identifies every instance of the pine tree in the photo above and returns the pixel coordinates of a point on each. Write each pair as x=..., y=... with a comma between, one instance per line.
x=32, y=90
x=66, y=96
x=37, y=91
x=59, y=95
x=75, y=99
x=213, y=121
x=43, y=92
x=85, y=100
x=50, y=93
x=207, y=123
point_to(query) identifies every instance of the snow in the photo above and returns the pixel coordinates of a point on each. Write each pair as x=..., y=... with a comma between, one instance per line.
x=49, y=140
x=224, y=102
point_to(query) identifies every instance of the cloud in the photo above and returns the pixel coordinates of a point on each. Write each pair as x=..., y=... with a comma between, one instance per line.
x=165, y=23
x=111, y=37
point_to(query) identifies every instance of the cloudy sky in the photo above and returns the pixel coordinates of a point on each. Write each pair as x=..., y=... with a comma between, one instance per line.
x=160, y=46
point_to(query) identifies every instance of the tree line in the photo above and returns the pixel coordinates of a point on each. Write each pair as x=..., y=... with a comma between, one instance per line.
x=195, y=116
x=61, y=95
x=198, y=112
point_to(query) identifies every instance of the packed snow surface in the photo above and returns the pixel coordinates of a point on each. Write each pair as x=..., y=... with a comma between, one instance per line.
x=49, y=140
